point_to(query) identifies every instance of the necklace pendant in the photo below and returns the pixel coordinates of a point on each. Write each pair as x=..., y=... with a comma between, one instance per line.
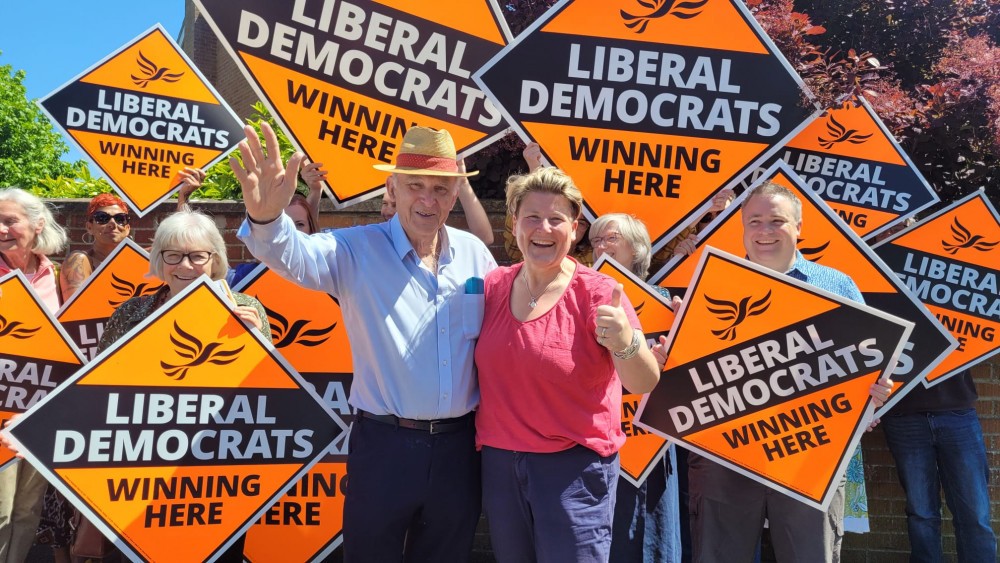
x=532, y=303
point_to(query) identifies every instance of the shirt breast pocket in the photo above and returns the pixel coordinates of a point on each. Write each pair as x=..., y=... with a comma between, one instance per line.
x=473, y=306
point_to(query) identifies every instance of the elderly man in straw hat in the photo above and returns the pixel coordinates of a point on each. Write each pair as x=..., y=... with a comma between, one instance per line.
x=411, y=295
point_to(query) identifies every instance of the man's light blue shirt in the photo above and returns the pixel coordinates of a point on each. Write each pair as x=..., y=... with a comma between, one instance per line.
x=412, y=334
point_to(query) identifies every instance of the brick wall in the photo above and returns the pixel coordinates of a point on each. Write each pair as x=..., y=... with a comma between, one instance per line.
x=887, y=543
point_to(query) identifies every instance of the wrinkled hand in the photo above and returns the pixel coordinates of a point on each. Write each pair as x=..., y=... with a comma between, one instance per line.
x=533, y=156
x=249, y=316
x=267, y=183
x=722, y=200
x=880, y=391
x=687, y=246
x=314, y=175
x=191, y=179
x=612, y=330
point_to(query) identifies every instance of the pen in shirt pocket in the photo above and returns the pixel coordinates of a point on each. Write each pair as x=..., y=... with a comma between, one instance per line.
x=474, y=286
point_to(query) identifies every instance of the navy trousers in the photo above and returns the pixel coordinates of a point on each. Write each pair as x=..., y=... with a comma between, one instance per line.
x=411, y=496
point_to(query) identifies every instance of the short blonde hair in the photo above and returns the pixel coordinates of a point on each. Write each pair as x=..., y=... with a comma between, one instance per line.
x=546, y=179
x=52, y=239
x=633, y=231
x=188, y=227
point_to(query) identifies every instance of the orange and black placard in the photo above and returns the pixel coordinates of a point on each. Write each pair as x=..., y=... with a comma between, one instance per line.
x=951, y=262
x=36, y=354
x=770, y=376
x=142, y=114
x=124, y=274
x=848, y=157
x=827, y=240
x=651, y=107
x=347, y=79
x=308, y=329
x=194, y=426
x=642, y=449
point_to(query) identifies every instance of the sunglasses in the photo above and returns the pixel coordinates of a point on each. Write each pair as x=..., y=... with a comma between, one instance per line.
x=102, y=218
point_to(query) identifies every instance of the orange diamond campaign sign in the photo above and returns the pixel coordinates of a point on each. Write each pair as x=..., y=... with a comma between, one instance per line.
x=848, y=157
x=308, y=329
x=770, y=376
x=650, y=107
x=347, y=79
x=642, y=449
x=142, y=114
x=36, y=354
x=124, y=274
x=827, y=240
x=194, y=426
x=950, y=262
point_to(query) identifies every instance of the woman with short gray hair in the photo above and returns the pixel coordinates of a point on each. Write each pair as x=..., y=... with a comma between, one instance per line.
x=624, y=238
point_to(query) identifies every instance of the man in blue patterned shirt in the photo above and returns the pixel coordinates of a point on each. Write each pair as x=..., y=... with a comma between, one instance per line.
x=728, y=509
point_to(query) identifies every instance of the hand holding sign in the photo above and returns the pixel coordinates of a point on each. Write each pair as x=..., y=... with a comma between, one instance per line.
x=660, y=352
x=249, y=316
x=267, y=184
x=314, y=175
x=533, y=156
x=613, y=331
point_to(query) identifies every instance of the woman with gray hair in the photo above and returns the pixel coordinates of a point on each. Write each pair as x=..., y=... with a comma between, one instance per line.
x=624, y=238
x=646, y=525
x=186, y=245
x=28, y=234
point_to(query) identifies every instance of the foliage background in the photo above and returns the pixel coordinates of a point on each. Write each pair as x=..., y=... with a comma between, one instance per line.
x=930, y=68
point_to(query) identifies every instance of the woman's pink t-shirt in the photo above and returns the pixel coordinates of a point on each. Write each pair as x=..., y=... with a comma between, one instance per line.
x=546, y=384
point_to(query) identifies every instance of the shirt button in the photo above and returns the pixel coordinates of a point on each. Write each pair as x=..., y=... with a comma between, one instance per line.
x=445, y=395
x=442, y=331
x=444, y=363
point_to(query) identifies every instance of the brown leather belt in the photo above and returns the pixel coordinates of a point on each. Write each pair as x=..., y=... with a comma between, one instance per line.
x=441, y=426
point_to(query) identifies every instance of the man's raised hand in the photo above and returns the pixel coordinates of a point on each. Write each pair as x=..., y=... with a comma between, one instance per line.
x=268, y=184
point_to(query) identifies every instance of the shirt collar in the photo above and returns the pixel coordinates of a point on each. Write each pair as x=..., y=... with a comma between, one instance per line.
x=402, y=244
x=44, y=264
x=801, y=265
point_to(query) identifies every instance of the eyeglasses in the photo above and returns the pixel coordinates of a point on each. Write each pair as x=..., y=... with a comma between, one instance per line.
x=197, y=258
x=102, y=218
x=609, y=238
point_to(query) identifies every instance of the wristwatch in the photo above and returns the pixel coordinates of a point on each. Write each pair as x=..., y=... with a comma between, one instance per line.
x=632, y=349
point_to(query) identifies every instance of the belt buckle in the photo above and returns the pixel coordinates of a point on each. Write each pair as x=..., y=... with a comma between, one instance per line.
x=432, y=428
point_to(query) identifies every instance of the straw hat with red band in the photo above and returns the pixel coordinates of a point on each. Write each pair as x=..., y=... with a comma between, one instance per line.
x=426, y=152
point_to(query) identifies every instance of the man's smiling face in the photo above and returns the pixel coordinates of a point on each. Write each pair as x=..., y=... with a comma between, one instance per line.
x=771, y=231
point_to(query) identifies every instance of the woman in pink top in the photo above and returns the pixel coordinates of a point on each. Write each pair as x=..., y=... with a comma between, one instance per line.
x=558, y=342
x=28, y=233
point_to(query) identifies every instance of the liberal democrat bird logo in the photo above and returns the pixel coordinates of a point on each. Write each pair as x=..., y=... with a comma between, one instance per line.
x=127, y=290
x=285, y=335
x=151, y=73
x=811, y=253
x=16, y=329
x=963, y=238
x=192, y=349
x=660, y=8
x=841, y=134
x=737, y=313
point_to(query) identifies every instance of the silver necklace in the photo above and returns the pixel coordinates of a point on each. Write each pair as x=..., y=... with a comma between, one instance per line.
x=534, y=300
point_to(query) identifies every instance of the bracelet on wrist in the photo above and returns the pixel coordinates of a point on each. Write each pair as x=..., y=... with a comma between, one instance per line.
x=633, y=348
